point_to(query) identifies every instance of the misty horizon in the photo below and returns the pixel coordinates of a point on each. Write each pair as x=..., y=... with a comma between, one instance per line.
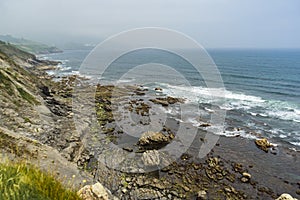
x=217, y=24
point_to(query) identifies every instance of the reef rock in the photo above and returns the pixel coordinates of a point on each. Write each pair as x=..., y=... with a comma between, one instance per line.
x=263, y=144
x=154, y=138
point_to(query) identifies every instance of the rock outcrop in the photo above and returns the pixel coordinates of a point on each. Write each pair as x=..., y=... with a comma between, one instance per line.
x=154, y=138
x=263, y=144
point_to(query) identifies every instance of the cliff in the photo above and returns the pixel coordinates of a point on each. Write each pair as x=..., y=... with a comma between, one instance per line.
x=28, y=114
x=29, y=45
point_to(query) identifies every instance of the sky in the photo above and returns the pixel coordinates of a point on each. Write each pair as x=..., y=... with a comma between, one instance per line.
x=212, y=23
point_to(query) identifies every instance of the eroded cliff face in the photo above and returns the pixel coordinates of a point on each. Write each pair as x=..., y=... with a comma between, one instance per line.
x=29, y=100
x=34, y=119
x=19, y=88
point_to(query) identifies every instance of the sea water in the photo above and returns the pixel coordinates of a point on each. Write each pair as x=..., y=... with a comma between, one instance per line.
x=262, y=86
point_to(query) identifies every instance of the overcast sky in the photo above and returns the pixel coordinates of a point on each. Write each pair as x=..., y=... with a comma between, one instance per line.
x=213, y=23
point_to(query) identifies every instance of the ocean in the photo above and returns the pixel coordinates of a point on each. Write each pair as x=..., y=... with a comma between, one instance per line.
x=262, y=96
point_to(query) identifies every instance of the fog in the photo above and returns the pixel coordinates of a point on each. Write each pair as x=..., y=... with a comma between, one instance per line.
x=216, y=23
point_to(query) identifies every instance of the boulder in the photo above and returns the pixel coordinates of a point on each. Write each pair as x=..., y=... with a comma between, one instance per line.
x=263, y=144
x=93, y=192
x=246, y=177
x=158, y=89
x=154, y=138
x=285, y=196
x=205, y=125
x=201, y=195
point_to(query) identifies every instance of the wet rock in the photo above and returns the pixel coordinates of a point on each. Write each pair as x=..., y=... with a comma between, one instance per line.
x=93, y=192
x=230, y=189
x=205, y=125
x=285, y=196
x=263, y=144
x=152, y=138
x=274, y=150
x=161, y=102
x=244, y=180
x=141, y=108
x=237, y=167
x=231, y=178
x=158, y=89
x=129, y=149
x=140, y=93
x=173, y=100
x=202, y=195
x=185, y=156
x=167, y=100
x=151, y=158
x=246, y=175
x=214, y=171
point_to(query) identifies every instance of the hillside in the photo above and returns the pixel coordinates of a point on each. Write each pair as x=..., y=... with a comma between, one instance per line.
x=29, y=113
x=29, y=45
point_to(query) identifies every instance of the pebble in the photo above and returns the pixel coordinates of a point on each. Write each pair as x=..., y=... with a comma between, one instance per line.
x=246, y=175
x=174, y=193
x=244, y=179
x=202, y=195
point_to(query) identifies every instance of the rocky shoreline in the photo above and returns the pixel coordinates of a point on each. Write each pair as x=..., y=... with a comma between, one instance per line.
x=38, y=124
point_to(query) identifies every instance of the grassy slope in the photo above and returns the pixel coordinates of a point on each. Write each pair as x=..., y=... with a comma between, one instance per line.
x=24, y=181
x=16, y=83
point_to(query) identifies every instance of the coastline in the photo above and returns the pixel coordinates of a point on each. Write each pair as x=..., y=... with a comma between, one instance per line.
x=219, y=175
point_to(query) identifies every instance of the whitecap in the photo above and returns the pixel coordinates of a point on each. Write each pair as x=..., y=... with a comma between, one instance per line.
x=295, y=143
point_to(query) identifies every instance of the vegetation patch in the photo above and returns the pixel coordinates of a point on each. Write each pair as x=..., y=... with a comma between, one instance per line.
x=6, y=84
x=24, y=181
x=28, y=97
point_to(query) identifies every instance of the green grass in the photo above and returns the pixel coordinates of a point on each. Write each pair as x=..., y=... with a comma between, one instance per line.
x=6, y=84
x=20, y=181
x=28, y=97
x=26, y=119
